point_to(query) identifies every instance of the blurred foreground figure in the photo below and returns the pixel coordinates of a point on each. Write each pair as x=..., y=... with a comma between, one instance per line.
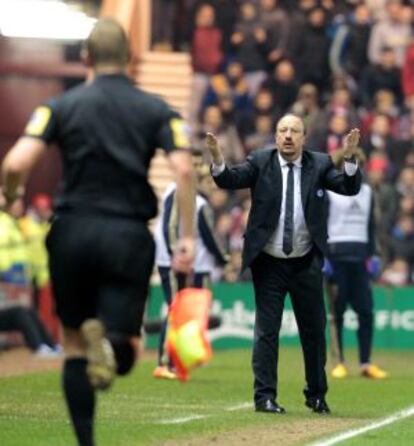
x=101, y=251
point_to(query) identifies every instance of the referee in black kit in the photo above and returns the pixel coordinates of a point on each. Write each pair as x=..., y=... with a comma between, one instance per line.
x=101, y=251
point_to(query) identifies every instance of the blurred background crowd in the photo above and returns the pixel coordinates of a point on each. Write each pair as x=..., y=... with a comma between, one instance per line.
x=338, y=64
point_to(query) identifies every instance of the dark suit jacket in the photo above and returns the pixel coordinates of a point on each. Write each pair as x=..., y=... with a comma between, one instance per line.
x=261, y=173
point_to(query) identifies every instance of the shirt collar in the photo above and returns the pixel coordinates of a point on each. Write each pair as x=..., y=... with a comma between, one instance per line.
x=283, y=162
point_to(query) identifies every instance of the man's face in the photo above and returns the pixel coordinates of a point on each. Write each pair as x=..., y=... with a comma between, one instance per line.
x=290, y=136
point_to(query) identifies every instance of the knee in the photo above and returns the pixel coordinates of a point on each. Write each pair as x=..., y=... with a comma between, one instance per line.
x=125, y=352
x=73, y=343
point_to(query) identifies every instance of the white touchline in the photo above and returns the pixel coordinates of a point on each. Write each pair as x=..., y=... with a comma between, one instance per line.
x=182, y=419
x=405, y=413
x=200, y=417
x=239, y=407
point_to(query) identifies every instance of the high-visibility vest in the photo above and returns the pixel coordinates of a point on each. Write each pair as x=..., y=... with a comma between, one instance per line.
x=14, y=259
x=35, y=233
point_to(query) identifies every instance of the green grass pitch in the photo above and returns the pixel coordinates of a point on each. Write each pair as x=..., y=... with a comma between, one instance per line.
x=140, y=410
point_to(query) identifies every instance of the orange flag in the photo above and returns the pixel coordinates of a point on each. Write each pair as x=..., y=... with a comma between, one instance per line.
x=187, y=342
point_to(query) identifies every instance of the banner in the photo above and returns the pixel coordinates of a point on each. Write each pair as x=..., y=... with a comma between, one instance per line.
x=234, y=302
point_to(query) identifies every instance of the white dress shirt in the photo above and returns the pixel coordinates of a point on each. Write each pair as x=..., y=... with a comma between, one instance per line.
x=302, y=243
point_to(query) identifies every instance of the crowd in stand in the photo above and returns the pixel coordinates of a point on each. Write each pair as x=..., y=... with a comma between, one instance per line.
x=338, y=64
x=25, y=296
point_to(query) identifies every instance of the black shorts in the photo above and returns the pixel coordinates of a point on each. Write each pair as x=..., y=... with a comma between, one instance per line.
x=100, y=267
x=171, y=282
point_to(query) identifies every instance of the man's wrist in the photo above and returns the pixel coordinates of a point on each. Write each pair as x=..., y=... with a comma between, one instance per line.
x=217, y=169
x=11, y=196
x=218, y=161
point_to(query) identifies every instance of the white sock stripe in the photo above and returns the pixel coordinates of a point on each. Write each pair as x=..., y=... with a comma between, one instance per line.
x=405, y=413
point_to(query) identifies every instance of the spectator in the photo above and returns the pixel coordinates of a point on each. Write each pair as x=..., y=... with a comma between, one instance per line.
x=263, y=135
x=383, y=75
x=340, y=103
x=298, y=22
x=226, y=133
x=338, y=126
x=380, y=138
x=397, y=273
x=405, y=182
x=385, y=199
x=206, y=56
x=385, y=105
x=307, y=107
x=250, y=47
x=35, y=226
x=263, y=105
x=311, y=58
x=348, y=51
x=393, y=31
x=283, y=85
x=14, y=258
x=401, y=240
x=26, y=321
x=408, y=71
x=231, y=83
x=226, y=16
x=377, y=8
x=276, y=24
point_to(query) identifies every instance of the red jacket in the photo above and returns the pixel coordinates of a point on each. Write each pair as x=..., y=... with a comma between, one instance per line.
x=408, y=72
x=206, y=52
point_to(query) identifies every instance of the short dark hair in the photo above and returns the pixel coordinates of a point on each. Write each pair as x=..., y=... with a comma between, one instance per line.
x=108, y=43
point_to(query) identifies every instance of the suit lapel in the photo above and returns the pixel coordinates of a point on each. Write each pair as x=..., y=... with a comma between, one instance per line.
x=306, y=178
x=277, y=180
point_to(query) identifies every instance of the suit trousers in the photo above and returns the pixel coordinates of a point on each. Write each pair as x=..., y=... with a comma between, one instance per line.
x=273, y=278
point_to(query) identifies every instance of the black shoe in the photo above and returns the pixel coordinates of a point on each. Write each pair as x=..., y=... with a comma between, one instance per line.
x=318, y=405
x=269, y=406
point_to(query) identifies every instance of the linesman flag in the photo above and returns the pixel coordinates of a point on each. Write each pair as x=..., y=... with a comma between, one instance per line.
x=187, y=342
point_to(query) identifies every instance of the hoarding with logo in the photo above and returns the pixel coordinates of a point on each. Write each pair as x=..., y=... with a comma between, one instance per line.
x=394, y=318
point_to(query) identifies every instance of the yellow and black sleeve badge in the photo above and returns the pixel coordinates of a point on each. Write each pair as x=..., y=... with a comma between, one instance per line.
x=179, y=131
x=38, y=122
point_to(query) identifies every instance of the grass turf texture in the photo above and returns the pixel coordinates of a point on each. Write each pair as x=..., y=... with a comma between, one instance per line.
x=32, y=411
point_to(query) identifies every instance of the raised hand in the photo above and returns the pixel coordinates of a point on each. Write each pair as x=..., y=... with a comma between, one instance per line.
x=214, y=148
x=351, y=141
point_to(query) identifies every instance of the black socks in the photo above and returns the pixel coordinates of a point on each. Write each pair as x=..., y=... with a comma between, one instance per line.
x=80, y=399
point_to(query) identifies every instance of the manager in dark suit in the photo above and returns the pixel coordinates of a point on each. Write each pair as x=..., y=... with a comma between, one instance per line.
x=285, y=239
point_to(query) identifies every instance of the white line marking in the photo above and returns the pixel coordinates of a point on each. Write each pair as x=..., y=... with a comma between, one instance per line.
x=239, y=407
x=405, y=413
x=183, y=419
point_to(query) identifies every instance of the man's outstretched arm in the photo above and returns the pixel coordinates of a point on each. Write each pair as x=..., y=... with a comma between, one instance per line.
x=17, y=165
x=239, y=176
x=182, y=166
